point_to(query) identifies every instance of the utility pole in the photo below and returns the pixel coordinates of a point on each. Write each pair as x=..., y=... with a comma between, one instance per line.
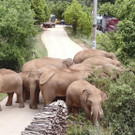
x=94, y=24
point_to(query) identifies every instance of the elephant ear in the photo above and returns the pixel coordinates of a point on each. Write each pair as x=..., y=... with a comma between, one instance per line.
x=104, y=96
x=67, y=62
x=85, y=95
x=46, y=76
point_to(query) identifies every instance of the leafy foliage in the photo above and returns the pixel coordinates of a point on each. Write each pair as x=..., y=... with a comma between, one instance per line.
x=42, y=13
x=73, y=14
x=105, y=8
x=16, y=26
x=119, y=109
x=122, y=42
x=79, y=19
x=81, y=126
x=59, y=8
x=85, y=22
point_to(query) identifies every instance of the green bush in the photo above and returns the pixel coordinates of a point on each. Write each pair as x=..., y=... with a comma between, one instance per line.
x=85, y=22
x=120, y=107
x=121, y=42
x=81, y=126
x=16, y=27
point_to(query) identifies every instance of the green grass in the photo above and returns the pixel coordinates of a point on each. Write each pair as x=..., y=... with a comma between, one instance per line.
x=39, y=47
x=81, y=126
x=78, y=38
x=2, y=96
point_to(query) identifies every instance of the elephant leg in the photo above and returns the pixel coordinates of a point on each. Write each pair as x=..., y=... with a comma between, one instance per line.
x=36, y=99
x=75, y=111
x=88, y=113
x=48, y=96
x=26, y=95
x=17, y=100
x=37, y=95
x=19, y=93
x=69, y=104
x=10, y=97
x=33, y=102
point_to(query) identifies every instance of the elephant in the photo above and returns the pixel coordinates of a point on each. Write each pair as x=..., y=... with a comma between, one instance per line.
x=31, y=83
x=55, y=83
x=82, y=94
x=88, y=53
x=101, y=61
x=11, y=82
x=56, y=62
x=81, y=66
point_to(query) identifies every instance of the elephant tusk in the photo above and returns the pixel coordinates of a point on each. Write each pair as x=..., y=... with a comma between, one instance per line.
x=91, y=113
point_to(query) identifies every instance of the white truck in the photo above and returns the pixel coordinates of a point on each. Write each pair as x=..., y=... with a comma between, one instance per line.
x=51, y=23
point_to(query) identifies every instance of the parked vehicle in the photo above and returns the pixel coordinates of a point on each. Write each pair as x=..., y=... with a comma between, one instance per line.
x=99, y=22
x=51, y=22
x=107, y=23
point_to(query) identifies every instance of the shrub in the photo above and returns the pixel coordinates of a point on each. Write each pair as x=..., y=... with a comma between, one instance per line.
x=119, y=109
x=16, y=27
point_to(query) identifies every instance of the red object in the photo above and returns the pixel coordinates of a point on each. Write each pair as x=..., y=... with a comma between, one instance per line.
x=109, y=24
x=112, y=24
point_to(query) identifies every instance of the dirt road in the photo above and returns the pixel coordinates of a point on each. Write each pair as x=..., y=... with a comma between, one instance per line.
x=12, y=119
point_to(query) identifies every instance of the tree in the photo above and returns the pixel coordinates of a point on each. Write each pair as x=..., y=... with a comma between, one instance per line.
x=85, y=22
x=59, y=8
x=123, y=40
x=42, y=13
x=73, y=13
x=16, y=27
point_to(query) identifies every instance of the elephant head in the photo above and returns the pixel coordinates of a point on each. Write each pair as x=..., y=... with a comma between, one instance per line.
x=93, y=101
x=67, y=62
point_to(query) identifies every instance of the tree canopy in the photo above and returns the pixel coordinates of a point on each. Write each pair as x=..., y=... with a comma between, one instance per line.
x=16, y=26
x=80, y=20
x=58, y=8
x=42, y=13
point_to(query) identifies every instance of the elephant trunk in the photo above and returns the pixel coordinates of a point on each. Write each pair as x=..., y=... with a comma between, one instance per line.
x=97, y=114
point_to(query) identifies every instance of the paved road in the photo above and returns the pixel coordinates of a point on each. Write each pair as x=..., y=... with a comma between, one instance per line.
x=58, y=44
x=12, y=119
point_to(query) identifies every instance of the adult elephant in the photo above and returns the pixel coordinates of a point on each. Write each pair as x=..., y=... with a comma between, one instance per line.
x=105, y=70
x=56, y=62
x=11, y=82
x=101, y=61
x=31, y=83
x=84, y=54
x=82, y=94
x=55, y=83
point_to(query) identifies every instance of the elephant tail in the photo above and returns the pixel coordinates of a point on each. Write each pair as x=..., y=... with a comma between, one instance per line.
x=45, y=77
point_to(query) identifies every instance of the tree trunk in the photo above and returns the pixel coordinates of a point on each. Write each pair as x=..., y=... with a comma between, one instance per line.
x=74, y=28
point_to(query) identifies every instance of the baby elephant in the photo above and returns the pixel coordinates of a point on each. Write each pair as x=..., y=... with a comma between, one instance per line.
x=82, y=94
x=11, y=82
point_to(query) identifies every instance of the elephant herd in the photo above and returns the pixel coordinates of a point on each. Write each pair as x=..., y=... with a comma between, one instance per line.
x=56, y=77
